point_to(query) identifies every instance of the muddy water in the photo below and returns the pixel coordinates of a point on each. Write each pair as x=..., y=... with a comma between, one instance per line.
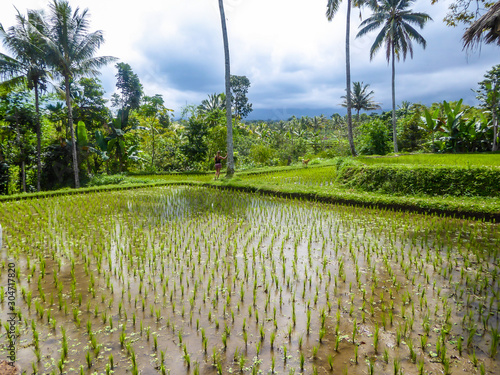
x=185, y=281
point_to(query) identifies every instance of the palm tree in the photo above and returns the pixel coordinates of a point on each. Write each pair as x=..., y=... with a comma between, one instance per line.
x=331, y=8
x=70, y=51
x=484, y=29
x=27, y=66
x=397, y=34
x=361, y=98
x=229, y=118
x=215, y=101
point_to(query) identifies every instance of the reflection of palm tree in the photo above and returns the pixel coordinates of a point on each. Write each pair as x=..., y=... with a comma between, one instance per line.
x=361, y=98
x=397, y=34
x=27, y=65
x=71, y=50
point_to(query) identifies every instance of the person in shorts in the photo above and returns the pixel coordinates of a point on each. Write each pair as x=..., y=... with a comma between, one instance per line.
x=218, y=164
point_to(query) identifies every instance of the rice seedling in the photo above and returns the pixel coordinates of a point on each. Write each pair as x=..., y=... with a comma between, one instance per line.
x=88, y=358
x=495, y=339
x=386, y=355
x=195, y=255
x=375, y=338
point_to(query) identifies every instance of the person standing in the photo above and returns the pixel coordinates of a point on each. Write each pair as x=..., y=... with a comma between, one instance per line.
x=218, y=164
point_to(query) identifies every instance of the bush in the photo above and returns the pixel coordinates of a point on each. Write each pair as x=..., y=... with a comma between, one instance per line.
x=4, y=178
x=428, y=180
x=261, y=153
x=374, y=138
x=410, y=136
x=336, y=148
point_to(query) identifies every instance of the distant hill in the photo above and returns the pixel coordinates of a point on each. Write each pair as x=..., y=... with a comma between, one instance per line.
x=277, y=114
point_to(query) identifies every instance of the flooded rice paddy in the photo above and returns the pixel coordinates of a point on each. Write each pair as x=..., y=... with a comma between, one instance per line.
x=198, y=281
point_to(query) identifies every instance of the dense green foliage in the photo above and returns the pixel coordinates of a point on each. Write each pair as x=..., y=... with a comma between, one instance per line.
x=136, y=132
x=428, y=180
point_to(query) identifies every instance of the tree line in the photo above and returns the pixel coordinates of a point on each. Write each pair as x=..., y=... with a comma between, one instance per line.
x=58, y=138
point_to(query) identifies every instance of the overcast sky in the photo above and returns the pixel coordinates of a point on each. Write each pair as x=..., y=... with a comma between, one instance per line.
x=292, y=55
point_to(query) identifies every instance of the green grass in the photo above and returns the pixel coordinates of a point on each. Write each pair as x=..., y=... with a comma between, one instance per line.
x=463, y=160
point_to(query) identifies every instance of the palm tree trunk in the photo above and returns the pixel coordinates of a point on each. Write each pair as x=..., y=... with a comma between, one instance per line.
x=21, y=152
x=23, y=175
x=229, y=119
x=495, y=128
x=153, y=136
x=394, y=135
x=39, y=141
x=72, y=131
x=348, y=78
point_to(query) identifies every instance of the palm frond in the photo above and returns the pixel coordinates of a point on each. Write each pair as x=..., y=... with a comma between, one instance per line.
x=331, y=8
x=486, y=28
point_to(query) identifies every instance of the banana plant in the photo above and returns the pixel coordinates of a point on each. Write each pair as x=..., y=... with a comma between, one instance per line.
x=118, y=127
x=431, y=124
x=453, y=125
x=456, y=132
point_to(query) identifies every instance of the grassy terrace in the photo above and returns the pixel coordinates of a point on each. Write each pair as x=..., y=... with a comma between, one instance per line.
x=319, y=181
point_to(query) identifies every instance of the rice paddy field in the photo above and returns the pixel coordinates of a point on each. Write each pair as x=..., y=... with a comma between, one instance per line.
x=192, y=280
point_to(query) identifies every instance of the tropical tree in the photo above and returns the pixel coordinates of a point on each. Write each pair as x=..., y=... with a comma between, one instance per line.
x=331, y=9
x=229, y=118
x=19, y=116
x=239, y=90
x=154, y=110
x=484, y=29
x=27, y=64
x=464, y=11
x=70, y=52
x=89, y=104
x=116, y=140
x=214, y=102
x=397, y=34
x=361, y=98
x=130, y=88
x=489, y=96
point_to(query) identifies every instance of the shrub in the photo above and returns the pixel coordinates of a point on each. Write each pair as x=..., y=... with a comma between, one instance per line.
x=411, y=137
x=261, y=153
x=4, y=178
x=374, y=138
x=428, y=180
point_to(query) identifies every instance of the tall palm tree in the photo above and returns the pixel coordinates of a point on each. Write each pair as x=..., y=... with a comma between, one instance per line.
x=229, y=117
x=397, y=34
x=27, y=65
x=70, y=51
x=331, y=9
x=361, y=98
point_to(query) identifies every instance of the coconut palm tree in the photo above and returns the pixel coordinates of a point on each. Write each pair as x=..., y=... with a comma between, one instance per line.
x=331, y=9
x=27, y=65
x=486, y=29
x=229, y=118
x=361, y=98
x=215, y=101
x=70, y=52
x=397, y=34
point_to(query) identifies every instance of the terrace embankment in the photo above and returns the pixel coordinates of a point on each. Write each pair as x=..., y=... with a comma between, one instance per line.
x=462, y=192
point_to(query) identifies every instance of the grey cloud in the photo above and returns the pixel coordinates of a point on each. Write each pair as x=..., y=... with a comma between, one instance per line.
x=190, y=60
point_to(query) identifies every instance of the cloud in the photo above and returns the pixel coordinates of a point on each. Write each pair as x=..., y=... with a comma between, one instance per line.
x=292, y=55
